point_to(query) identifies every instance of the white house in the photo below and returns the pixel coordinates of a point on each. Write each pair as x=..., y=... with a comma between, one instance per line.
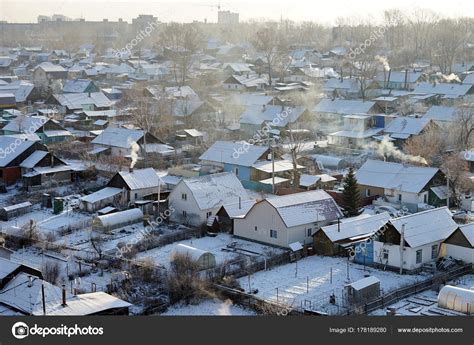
x=283, y=220
x=460, y=245
x=400, y=185
x=423, y=234
x=195, y=199
x=139, y=184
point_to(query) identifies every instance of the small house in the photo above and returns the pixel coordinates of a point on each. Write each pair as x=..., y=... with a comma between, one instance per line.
x=460, y=244
x=363, y=290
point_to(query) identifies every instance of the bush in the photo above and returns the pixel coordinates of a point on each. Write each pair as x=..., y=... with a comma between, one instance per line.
x=50, y=272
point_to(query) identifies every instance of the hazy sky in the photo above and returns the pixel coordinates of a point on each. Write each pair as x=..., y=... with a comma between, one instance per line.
x=322, y=11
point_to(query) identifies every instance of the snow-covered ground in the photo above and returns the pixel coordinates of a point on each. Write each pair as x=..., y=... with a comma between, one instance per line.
x=209, y=307
x=216, y=245
x=426, y=302
x=308, y=282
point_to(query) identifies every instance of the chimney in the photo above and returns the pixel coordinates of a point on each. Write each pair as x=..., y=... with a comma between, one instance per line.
x=64, y=295
x=130, y=169
x=388, y=78
x=30, y=281
x=406, y=79
x=264, y=107
x=240, y=203
x=52, y=159
x=338, y=224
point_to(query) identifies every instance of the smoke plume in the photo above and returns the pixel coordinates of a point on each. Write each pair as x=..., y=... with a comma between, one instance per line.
x=386, y=149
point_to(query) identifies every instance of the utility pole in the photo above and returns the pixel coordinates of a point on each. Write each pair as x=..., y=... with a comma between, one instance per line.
x=447, y=186
x=402, y=242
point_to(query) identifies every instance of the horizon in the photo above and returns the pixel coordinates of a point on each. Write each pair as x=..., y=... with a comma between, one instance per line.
x=27, y=11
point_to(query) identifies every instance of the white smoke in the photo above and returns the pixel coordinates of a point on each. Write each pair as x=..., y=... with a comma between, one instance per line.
x=386, y=149
x=383, y=60
x=134, y=150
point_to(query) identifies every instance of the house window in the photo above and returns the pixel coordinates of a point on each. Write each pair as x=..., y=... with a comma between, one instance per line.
x=309, y=231
x=208, y=214
x=136, y=195
x=185, y=214
x=419, y=256
x=367, y=192
x=273, y=234
x=385, y=254
x=184, y=196
x=255, y=228
x=399, y=197
x=434, y=251
x=425, y=198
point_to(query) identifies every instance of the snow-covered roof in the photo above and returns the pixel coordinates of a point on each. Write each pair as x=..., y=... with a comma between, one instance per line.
x=50, y=67
x=277, y=115
x=76, y=85
x=33, y=159
x=452, y=89
x=118, y=137
x=305, y=208
x=398, y=77
x=344, y=84
x=441, y=113
x=277, y=166
x=356, y=227
x=247, y=99
x=426, y=227
x=78, y=100
x=308, y=180
x=140, y=178
x=469, y=79
x=19, y=145
x=468, y=232
x=193, y=133
x=24, y=123
x=397, y=176
x=238, y=153
x=21, y=89
x=239, y=210
x=364, y=283
x=181, y=92
x=17, y=206
x=101, y=194
x=215, y=190
x=343, y=106
x=440, y=191
x=407, y=125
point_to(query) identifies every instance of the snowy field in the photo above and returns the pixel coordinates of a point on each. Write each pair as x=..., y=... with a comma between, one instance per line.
x=425, y=303
x=308, y=283
x=209, y=307
x=219, y=246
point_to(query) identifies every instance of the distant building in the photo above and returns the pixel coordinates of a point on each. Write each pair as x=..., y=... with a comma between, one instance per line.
x=227, y=17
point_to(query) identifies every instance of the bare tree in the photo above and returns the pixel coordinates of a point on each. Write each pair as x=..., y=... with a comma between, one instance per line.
x=456, y=170
x=97, y=243
x=429, y=145
x=464, y=128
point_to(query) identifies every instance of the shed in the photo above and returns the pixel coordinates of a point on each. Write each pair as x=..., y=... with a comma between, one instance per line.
x=203, y=258
x=9, y=212
x=363, y=290
x=457, y=299
x=117, y=220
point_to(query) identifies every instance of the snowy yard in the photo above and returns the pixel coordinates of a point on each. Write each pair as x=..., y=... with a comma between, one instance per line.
x=209, y=308
x=422, y=303
x=219, y=246
x=309, y=281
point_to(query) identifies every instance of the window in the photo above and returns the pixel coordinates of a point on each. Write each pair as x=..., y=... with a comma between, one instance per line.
x=309, y=231
x=385, y=254
x=419, y=256
x=434, y=251
x=236, y=170
x=184, y=196
x=136, y=195
x=425, y=199
x=208, y=214
x=185, y=214
x=273, y=234
x=399, y=197
x=255, y=228
x=367, y=192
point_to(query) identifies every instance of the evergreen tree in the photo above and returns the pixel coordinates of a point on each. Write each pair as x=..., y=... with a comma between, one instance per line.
x=350, y=195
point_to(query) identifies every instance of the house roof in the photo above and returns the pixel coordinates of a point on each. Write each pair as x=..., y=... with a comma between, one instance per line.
x=19, y=145
x=397, y=176
x=118, y=137
x=77, y=85
x=24, y=123
x=468, y=232
x=214, y=190
x=451, y=89
x=356, y=227
x=21, y=89
x=406, y=126
x=276, y=114
x=238, y=153
x=343, y=106
x=101, y=194
x=345, y=84
x=239, y=210
x=426, y=227
x=140, y=178
x=78, y=100
x=398, y=77
x=441, y=113
x=247, y=99
x=50, y=67
x=305, y=208
x=33, y=159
